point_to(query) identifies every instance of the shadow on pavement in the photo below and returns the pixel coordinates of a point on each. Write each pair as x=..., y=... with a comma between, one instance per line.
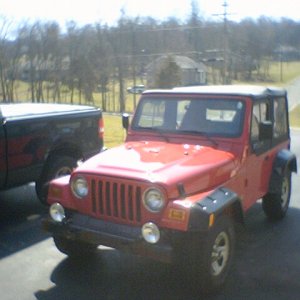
x=266, y=266
x=112, y=275
x=20, y=219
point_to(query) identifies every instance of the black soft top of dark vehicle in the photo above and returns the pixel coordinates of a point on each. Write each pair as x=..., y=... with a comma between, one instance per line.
x=230, y=90
x=28, y=110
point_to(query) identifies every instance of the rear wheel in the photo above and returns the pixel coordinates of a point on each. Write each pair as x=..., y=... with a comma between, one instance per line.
x=57, y=166
x=275, y=205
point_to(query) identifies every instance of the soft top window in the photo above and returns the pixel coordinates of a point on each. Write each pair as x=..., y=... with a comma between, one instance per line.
x=211, y=116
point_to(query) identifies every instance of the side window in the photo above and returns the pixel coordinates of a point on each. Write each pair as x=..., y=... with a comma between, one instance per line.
x=260, y=113
x=280, y=118
x=264, y=112
x=255, y=123
x=181, y=110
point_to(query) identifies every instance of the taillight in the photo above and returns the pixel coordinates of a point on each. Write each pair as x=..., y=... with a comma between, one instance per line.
x=101, y=128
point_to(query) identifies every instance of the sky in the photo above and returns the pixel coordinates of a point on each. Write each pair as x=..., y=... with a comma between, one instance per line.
x=109, y=11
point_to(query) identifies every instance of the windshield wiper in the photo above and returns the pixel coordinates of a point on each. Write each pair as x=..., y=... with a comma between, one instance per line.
x=158, y=130
x=208, y=136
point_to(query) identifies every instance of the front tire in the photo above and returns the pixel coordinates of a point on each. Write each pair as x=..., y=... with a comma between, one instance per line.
x=275, y=205
x=209, y=256
x=74, y=248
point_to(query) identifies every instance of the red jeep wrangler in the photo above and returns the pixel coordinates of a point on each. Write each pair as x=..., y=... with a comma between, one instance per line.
x=194, y=161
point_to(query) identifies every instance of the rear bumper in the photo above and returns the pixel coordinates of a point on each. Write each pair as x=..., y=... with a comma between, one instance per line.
x=123, y=237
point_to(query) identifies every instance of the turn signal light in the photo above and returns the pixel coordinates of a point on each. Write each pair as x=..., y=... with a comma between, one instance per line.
x=177, y=214
x=101, y=128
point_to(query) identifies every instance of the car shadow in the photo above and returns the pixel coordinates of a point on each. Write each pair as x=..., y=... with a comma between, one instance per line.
x=20, y=219
x=266, y=266
x=111, y=275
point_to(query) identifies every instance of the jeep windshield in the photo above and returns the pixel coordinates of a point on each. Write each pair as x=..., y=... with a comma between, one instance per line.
x=199, y=116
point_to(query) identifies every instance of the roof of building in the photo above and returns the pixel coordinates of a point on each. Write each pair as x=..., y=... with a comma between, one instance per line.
x=183, y=62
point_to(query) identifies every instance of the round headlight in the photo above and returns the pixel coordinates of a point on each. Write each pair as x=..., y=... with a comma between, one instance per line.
x=57, y=212
x=154, y=200
x=80, y=187
x=150, y=233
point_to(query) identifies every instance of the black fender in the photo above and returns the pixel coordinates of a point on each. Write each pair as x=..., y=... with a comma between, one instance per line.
x=219, y=202
x=284, y=161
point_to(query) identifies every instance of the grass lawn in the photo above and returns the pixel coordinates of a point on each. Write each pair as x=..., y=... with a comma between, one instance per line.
x=283, y=73
x=295, y=117
x=114, y=134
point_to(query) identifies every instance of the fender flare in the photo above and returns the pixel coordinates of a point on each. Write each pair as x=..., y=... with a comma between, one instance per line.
x=220, y=201
x=284, y=161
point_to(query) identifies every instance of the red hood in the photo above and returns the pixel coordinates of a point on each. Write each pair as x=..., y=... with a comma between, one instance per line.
x=197, y=167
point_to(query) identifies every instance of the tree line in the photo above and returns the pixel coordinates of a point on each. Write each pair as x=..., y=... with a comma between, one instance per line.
x=75, y=63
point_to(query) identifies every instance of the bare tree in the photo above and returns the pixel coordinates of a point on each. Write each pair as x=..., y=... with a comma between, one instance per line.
x=9, y=57
x=103, y=63
x=75, y=65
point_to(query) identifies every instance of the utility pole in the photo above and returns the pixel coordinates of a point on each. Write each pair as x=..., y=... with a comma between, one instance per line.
x=225, y=42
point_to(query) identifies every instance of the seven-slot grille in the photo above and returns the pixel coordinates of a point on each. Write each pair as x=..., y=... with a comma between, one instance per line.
x=116, y=200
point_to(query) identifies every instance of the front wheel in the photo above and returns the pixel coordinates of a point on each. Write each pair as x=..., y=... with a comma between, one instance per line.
x=275, y=205
x=210, y=256
x=56, y=166
x=74, y=248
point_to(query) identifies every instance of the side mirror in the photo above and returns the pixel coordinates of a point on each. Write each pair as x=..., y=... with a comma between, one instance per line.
x=265, y=130
x=125, y=121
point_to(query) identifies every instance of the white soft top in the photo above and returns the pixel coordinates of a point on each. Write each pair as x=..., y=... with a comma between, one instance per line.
x=244, y=90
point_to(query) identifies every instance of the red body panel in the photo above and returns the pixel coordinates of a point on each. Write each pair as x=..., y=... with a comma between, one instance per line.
x=165, y=164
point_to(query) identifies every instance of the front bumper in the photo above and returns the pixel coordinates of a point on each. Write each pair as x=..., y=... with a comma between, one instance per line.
x=123, y=237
